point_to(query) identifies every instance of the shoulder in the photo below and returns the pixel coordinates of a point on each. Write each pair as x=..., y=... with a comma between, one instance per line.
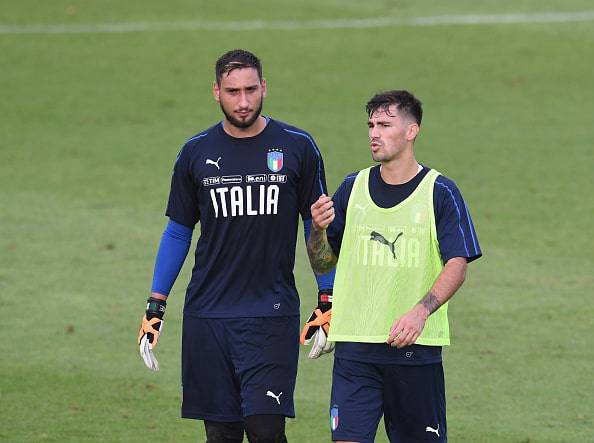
x=346, y=186
x=447, y=198
x=295, y=133
x=201, y=138
x=350, y=178
x=446, y=188
x=195, y=143
x=445, y=181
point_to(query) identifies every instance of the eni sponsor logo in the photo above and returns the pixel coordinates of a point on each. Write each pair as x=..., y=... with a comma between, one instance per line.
x=255, y=178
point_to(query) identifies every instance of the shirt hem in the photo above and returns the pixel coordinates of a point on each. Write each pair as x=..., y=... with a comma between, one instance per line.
x=384, y=339
x=193, y=415
x=358, y=339
x=389, y=361
x=243, y=315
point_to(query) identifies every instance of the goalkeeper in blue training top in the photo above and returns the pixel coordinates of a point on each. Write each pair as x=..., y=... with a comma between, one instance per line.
x=246, y=180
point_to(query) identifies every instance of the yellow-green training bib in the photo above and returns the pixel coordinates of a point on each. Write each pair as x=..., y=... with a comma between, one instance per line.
x=389, y=259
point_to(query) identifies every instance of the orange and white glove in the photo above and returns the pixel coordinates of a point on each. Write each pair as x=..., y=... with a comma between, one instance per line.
x=150, y=330
x=316, y=329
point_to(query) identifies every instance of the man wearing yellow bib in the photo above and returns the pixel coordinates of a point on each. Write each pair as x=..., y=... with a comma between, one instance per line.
x=401, y=237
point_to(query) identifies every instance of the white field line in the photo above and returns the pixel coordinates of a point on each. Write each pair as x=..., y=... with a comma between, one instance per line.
x=287, y=25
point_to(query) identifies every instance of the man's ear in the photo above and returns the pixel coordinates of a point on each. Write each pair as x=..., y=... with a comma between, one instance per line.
x=216, y=91
x=413, y=131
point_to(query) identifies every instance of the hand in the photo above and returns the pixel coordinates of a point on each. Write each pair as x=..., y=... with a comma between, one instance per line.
x=322, y=213
x=150, y=330
x=317, y=327
x=406, y=330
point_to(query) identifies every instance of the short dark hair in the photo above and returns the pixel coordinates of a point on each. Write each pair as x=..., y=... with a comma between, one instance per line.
x=404, y=101
x=236, y=59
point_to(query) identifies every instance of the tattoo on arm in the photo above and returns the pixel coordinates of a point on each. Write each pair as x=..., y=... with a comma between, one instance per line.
x=430, y=302
x=321, y=255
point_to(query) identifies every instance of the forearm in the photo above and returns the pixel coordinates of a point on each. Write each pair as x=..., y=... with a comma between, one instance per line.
x=409, y=327
x=173, y=249
x=447, y=283
x=321, y=255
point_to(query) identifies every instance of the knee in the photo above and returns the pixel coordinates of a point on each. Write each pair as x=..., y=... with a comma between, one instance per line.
x=265, y=429
x=221, y=432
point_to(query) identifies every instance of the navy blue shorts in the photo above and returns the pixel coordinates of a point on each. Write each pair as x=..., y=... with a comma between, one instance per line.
x=411, y=398
x=236, y=367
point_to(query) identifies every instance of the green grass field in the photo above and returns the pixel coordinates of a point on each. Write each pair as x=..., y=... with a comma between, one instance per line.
x=90, y=126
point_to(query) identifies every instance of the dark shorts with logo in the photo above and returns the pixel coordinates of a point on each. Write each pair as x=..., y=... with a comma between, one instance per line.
x=411, y=398
x=237, y=367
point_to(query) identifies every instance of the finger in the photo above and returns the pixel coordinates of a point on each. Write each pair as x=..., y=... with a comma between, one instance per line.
x=320, y=201
x=154, y=363
x=322, y=206
x=401, y=338
x=327, y=204
x=322, y=212
x=318, y=345
x=396, y=327
x=413, y=340
x=144, y=352
x=394, y=336
x=394, y=331
x=326, y=219
x=407, y=339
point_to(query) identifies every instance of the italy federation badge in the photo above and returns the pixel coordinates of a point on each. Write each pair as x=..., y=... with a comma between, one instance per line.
x=275, y=159
x=334, y=418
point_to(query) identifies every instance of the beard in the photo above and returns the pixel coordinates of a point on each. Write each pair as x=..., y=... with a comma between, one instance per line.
x=242, y=124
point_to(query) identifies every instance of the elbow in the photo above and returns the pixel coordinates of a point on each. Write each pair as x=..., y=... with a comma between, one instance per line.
x=458, y=266
x=462, y=272
x=321, y=268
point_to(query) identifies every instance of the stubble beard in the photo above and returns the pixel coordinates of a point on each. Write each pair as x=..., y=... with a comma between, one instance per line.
x=242, y=124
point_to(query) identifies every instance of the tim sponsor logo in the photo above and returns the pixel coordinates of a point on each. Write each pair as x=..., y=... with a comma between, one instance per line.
x=209, y=181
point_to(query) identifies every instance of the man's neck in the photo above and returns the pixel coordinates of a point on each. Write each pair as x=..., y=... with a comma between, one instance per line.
x=251, y=131
x=399, y=171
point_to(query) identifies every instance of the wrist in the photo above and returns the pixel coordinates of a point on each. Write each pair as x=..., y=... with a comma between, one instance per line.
x=317, y=227
x=325, y=299
x=158, y=296
x=155, y=307
x=422, y=311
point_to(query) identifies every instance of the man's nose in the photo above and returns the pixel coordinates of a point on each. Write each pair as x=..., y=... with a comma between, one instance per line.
x=243, y=100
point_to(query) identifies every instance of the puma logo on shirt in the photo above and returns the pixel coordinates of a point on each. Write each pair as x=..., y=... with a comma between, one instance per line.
x=376, y=236
x=212, y=162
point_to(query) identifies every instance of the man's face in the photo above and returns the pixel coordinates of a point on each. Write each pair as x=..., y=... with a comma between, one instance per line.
x=240, y=94
x=390, y=134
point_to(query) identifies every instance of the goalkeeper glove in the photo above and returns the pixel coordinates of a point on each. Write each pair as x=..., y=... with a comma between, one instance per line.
x=150, y=330
x=317, y=327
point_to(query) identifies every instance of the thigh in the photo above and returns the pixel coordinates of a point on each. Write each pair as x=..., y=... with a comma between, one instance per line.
x=210, y=389
x=223, y=432
x=265, y=352
x=265, y=428
x=356, y=401
x=414, y=403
